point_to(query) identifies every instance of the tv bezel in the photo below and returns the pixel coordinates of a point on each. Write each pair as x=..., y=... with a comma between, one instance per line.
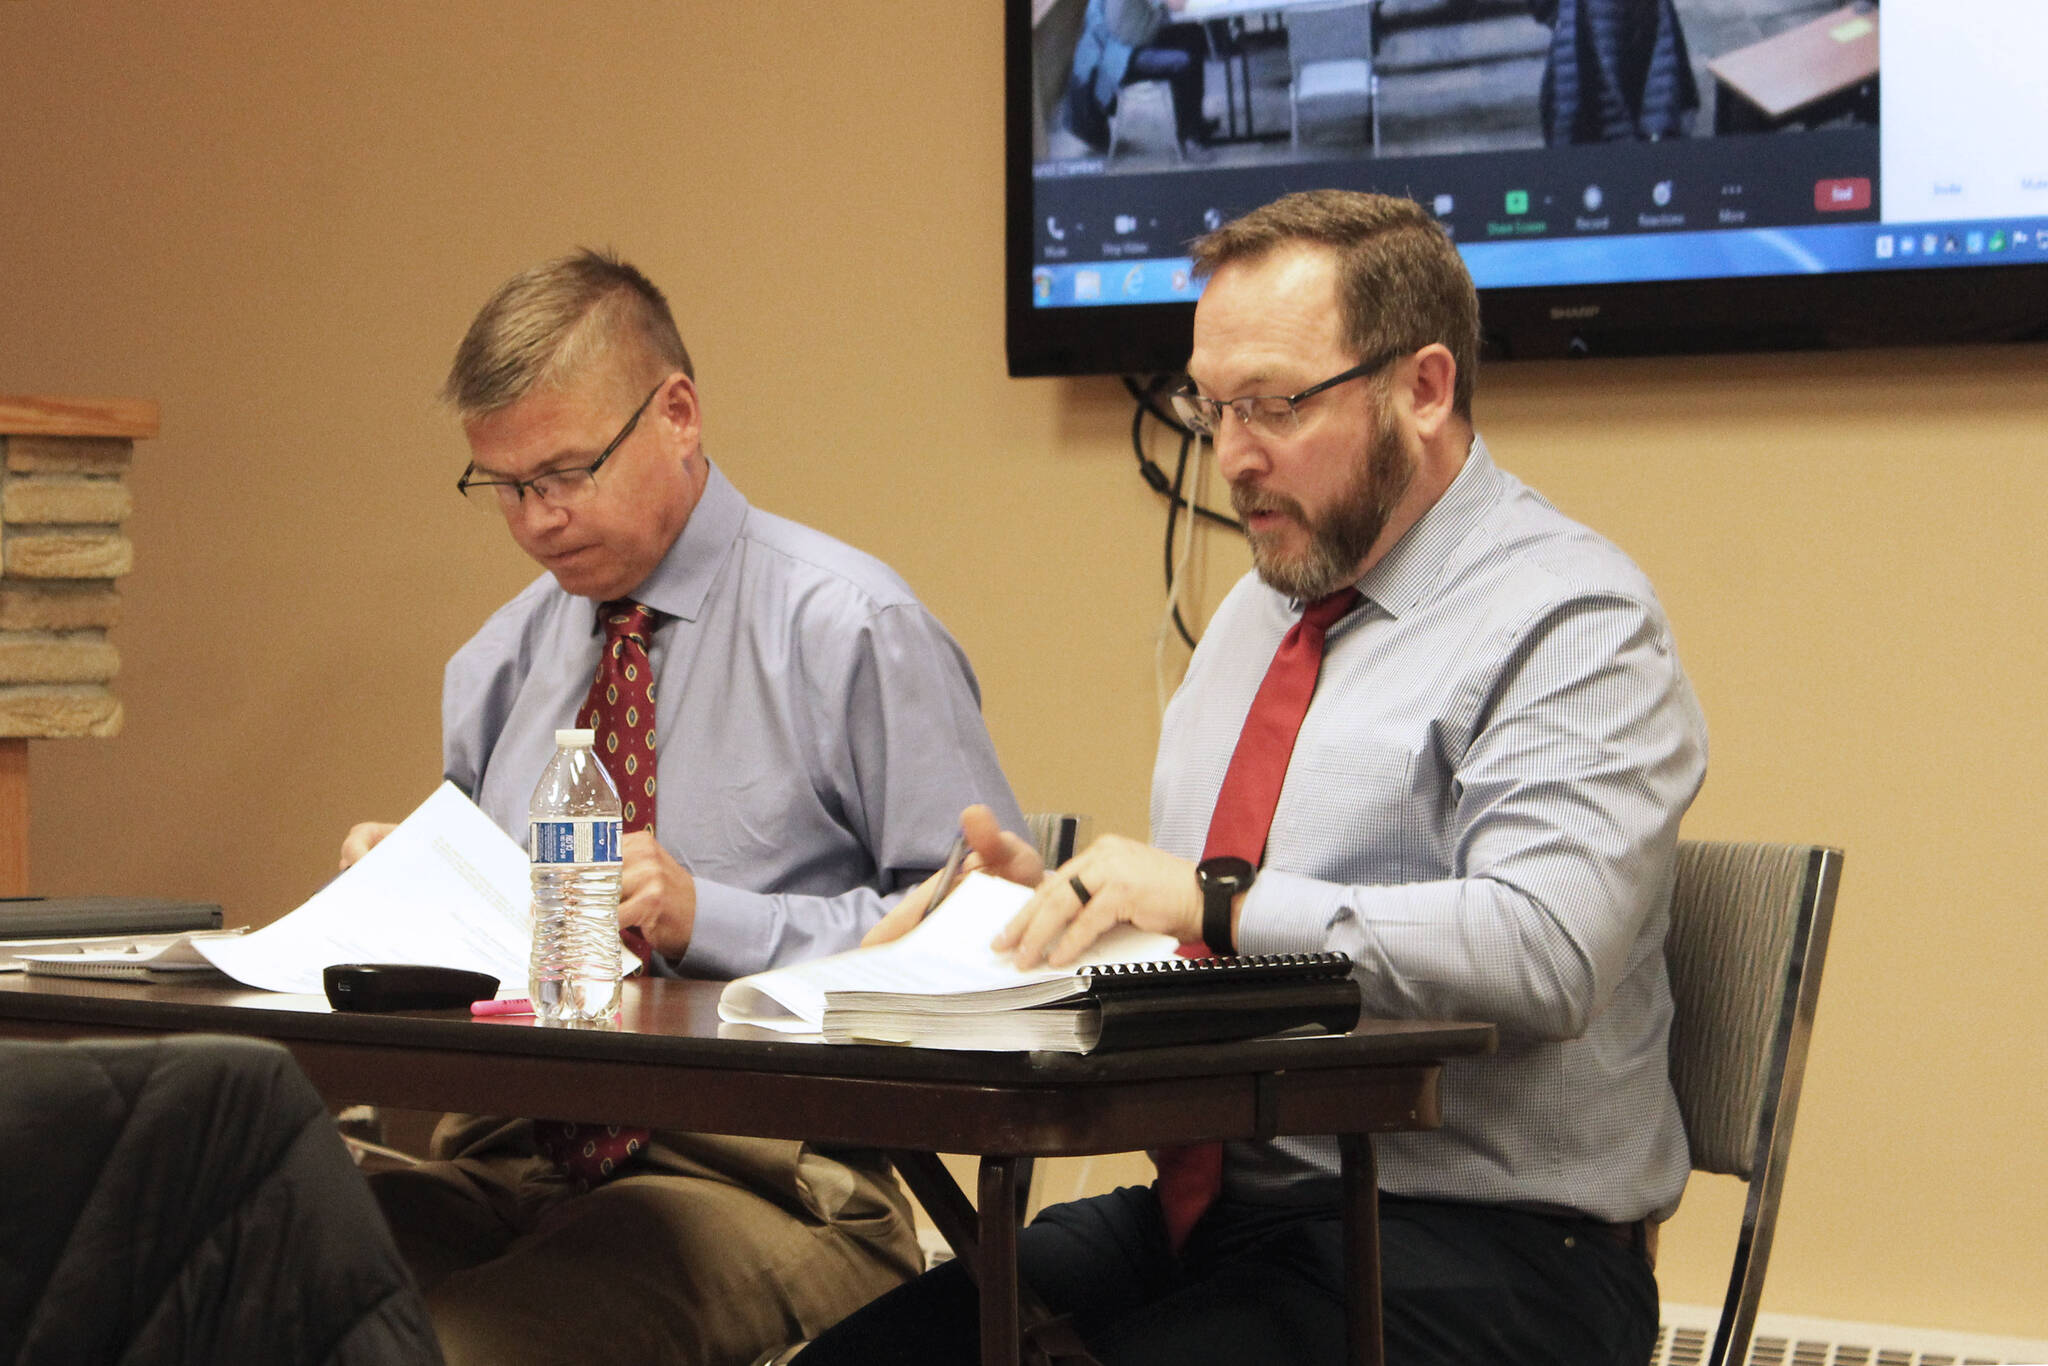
x=1836, y=310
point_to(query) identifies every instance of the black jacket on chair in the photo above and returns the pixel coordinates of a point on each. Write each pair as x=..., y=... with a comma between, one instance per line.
x=187, y=1200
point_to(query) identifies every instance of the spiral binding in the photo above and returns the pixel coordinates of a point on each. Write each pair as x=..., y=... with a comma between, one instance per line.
x=1291, y=967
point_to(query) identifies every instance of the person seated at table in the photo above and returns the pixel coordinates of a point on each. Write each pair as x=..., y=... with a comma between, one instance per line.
x=1126, y=41
x=1481, y=806
x=814, y=732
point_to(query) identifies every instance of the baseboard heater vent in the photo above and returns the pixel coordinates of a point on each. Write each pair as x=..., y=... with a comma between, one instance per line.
x=1687, y=1334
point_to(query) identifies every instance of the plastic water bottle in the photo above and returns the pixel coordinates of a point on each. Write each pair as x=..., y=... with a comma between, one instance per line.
x=574, y=844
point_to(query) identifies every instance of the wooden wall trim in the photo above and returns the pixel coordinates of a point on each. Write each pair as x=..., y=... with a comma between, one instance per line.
x=44, y=415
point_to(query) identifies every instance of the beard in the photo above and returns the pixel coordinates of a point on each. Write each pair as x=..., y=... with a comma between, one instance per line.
x=1340, y=538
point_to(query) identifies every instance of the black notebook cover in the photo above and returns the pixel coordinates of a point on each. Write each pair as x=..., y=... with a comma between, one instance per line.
x=1221, y=1012
x=39, y=917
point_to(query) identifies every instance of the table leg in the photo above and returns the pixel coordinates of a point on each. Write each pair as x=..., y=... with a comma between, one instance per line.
x=996, y=1205
x=1361, y=1251
x=984, y=1243
x=942, y=1199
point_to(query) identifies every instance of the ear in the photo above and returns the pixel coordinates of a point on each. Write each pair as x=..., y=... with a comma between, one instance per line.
x=1431, y=391
x=677, y=406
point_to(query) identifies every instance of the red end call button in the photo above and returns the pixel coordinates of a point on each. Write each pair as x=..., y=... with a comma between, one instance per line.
x=1841, y=196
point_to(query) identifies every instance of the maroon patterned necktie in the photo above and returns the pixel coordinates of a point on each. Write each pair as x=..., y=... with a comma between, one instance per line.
x=620, y=708
x=1191, y=1176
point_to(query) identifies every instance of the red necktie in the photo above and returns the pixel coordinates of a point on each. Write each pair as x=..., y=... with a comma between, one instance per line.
x=1190, y=1176
x=620, y=708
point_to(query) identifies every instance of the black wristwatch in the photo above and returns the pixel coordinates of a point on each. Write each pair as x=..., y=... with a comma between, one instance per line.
x=1221, y=879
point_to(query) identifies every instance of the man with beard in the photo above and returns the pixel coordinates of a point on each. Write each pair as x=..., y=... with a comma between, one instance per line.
x=1479, y=783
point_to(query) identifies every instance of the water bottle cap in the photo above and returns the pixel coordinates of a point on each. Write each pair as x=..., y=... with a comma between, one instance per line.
x=575, y=739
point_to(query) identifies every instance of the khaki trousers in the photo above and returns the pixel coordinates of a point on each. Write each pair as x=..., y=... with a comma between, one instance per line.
x=710, y=1251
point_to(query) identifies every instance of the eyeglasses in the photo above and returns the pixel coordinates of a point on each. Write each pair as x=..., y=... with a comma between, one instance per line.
x=1265, y=414
x=556, y=488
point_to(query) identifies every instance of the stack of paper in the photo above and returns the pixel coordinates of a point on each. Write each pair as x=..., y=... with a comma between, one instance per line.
x=447, y=888
x=948, y=952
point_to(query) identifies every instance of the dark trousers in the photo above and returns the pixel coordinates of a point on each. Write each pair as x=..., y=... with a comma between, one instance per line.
x=1460, y=1284
x=1178, y=54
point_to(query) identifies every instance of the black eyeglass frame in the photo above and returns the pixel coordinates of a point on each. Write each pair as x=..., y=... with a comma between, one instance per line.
x=464, y=483
x=1210, y=410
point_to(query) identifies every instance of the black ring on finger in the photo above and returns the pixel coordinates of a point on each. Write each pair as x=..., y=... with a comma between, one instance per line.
x=1080, y=890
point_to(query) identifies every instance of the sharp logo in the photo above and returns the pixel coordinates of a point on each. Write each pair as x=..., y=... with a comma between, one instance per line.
x=1574, y=313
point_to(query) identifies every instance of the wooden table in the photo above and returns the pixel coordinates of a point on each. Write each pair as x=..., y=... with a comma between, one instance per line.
x=1812, y=72
x=667, y=1065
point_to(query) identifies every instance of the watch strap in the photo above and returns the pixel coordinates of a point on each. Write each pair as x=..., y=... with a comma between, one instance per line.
x=1216, y=899
x=1220, y=880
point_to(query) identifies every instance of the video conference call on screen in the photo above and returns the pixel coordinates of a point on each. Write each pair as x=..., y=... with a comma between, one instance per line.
x=1670, y=158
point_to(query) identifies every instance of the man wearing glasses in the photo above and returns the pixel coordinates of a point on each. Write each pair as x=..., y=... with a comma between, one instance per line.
x=815, y=733
x=1442, y=729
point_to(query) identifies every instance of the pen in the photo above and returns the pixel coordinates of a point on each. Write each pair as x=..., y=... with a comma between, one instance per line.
x=515, y=1006
x=954, y=858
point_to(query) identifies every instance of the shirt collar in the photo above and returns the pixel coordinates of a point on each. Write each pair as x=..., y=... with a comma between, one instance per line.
x=683, y=579
x=1408, y=569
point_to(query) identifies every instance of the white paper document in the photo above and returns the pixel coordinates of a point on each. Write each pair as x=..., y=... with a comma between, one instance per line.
x=446, y=888
x=948, y=951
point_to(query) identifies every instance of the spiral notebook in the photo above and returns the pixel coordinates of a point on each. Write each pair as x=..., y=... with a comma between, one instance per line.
x=1113, y=1006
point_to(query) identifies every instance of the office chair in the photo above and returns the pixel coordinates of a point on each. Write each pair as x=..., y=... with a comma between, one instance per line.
x=1144, y=114
x=1330, y=49
x=1749, y=928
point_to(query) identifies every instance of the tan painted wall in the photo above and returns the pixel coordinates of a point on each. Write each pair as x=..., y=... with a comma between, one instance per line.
x=276, y=219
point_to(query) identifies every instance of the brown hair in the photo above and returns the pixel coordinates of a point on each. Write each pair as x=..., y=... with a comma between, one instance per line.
x=1401, y=284
x=549, y=326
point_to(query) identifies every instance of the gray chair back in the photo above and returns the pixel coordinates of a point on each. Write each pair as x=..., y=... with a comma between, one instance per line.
x=1749, y=929
x=1329, y=33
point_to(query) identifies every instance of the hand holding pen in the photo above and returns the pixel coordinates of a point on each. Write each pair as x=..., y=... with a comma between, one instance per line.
x=921, y=900
x=983, y=845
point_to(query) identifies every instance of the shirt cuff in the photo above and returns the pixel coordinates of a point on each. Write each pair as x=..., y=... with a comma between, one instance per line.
x=730, y=937
x=1288, y=913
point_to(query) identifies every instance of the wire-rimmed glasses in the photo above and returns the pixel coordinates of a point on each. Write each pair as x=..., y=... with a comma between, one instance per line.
x=1269, y=415
x=556, y=488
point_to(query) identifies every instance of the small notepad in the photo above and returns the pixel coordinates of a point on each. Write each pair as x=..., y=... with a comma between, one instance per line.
x=136, y=963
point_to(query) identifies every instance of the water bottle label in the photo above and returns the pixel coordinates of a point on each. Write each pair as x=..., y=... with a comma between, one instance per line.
x=578, y=841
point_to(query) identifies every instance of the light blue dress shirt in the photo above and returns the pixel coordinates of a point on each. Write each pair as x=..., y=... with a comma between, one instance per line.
x=819, y=731
x=1482, y=810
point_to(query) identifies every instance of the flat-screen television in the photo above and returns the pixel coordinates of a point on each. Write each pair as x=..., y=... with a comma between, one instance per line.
x=1621, y=176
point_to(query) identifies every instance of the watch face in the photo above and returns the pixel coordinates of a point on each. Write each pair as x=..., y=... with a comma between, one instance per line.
x=1225, y=871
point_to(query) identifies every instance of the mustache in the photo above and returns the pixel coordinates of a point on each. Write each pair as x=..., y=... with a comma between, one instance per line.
x=1247, y=499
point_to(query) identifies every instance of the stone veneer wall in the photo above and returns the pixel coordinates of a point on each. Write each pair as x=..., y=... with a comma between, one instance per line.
x=63, y=500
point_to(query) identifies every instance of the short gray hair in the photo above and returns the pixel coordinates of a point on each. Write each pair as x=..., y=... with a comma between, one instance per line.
x=1401, y=284
x=553, y=324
